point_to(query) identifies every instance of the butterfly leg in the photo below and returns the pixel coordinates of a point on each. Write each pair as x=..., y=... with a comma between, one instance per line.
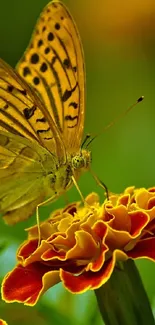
x=101, y=184
x=49, y=200
x=78, y=189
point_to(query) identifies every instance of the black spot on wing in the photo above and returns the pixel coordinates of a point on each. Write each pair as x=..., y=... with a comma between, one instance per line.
x=70, y=118
x=50, y=36
x=10, y=88
x=26, y=71
x=66, y=63
x=48, y=138
x=43, y=130
x=57, y=26
x=71, y=126
x=34, y=58
x=23, y=92
x=42, y=120
x=67, y=94
x=36, y=81
x=73, y=104
x=43, y=67
x=40, y=43
x=47, y=50
x=29, y=112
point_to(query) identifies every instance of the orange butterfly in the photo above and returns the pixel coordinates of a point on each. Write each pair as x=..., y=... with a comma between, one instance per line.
x=42, y=110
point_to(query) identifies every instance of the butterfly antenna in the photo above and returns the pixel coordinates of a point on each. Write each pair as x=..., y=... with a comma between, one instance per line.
x=116, y=120
x=85, y=140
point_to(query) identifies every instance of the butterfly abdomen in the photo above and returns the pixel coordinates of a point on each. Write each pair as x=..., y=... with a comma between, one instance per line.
x=60, y=180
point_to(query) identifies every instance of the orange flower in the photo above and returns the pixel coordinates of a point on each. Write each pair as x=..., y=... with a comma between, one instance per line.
x=2, y=322
x=80, y=246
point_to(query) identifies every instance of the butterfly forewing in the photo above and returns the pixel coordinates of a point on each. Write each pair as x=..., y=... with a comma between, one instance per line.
x=22, y=112
x=53, y=66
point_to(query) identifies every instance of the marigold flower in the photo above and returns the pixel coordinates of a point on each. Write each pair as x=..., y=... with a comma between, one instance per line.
x=2, y=322
x=81, y=246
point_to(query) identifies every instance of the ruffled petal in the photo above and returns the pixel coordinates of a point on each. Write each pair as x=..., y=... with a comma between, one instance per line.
x=27, y=284
x=90, y=280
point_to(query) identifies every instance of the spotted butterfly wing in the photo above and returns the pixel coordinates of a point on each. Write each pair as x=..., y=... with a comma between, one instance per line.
x=24, y=147
x=22, y=112
x=53, y=65
x=41, y=117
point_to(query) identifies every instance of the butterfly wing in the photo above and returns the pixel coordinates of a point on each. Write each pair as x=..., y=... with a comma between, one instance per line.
x=24, y=212
x=22, y=113
x=22, y=176
x=53, y=66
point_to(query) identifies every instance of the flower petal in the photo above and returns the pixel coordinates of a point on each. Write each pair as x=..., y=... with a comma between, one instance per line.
x=26, y=284
x=91, y=280
x=144, y=248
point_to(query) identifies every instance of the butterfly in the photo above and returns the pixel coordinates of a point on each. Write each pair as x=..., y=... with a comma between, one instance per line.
x=42, y=109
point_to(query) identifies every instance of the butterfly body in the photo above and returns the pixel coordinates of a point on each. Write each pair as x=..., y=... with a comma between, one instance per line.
x=42, y=109
x=59, y=179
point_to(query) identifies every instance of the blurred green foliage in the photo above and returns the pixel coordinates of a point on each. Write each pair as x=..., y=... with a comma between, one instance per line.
x=119, y=70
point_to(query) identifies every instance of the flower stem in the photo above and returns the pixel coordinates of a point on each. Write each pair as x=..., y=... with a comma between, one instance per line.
x=123, y=300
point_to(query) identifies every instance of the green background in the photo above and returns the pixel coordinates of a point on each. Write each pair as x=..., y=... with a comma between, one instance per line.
x=119, y=46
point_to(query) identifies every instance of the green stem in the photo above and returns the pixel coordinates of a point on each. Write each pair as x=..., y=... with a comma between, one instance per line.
x=123, y=300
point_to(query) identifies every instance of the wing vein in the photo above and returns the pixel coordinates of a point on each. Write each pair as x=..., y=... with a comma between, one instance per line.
x=51, y=98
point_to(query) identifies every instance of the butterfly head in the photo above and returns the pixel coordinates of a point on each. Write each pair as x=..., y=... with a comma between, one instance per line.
x=81, y=160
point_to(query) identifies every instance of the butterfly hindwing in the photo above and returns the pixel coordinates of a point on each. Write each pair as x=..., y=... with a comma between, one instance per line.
x=21, y=175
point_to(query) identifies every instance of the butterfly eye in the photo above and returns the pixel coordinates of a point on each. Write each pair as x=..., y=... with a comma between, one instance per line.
x=78, y=162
